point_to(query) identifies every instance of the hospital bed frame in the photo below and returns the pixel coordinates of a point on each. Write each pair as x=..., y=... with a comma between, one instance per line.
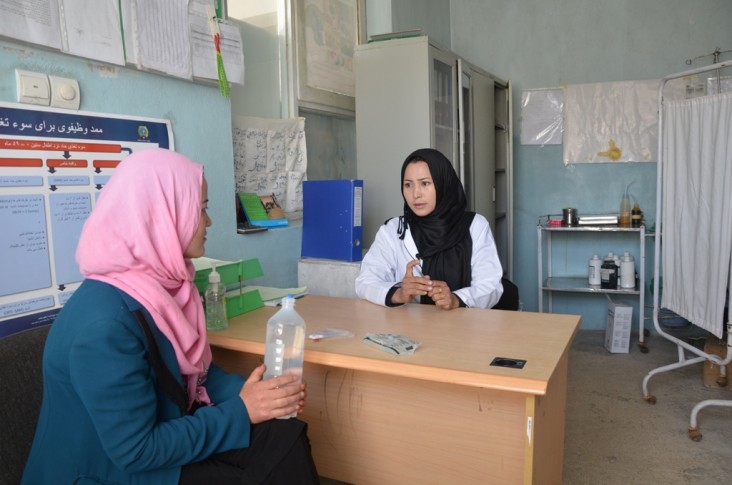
x=687, y=354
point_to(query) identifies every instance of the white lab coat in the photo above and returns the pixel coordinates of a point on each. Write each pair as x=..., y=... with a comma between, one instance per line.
x=386, y=261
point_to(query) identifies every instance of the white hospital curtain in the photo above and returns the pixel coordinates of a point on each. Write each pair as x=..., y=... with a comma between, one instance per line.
x=697, y=208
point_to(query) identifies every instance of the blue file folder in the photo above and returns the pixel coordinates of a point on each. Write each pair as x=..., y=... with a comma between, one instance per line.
x=332, y=220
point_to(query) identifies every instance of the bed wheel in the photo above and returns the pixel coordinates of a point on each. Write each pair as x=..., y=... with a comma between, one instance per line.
x=694, y=434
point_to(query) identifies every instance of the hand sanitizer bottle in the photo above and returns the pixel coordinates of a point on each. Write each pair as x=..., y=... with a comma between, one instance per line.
x=215, y=302
x=285, y=344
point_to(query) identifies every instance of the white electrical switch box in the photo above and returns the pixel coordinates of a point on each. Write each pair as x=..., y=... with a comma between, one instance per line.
x=32, y=87
x=64, y=92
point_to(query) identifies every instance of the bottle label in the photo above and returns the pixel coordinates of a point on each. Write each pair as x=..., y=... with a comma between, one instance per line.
x=609, y=276
x=636, y=220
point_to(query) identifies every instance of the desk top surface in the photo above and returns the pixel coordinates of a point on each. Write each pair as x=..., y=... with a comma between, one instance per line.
x=457, y=346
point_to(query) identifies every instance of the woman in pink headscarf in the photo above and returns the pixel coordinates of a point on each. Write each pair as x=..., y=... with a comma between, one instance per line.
x=130, y=392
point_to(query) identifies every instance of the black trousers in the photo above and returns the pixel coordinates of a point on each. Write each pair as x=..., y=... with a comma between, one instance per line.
x=278, y=453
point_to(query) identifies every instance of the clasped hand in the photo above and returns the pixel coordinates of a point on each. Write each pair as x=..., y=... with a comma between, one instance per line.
x=272, y=398
x=416, y=286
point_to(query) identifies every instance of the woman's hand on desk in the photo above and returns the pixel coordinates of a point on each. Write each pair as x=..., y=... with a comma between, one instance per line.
x=442, y=296
x=416, y=286
x=272, y=398
x=412, y=285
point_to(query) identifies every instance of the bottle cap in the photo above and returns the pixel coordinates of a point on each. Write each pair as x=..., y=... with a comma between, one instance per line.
x=288, y=301
x=214, y=276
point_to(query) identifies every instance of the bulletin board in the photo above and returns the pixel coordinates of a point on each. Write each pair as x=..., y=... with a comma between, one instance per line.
x=53, y=165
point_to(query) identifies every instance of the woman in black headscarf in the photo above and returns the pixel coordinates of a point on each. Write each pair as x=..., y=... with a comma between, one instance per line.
x=437, y=252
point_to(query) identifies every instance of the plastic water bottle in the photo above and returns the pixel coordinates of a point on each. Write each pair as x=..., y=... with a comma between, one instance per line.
x=215, y=302
x=285, y=344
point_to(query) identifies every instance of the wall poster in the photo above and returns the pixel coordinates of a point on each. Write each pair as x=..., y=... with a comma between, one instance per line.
x=53, y=165
x=270, y=157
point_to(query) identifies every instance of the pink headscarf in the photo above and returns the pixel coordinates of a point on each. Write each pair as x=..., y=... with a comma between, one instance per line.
x=134, y=239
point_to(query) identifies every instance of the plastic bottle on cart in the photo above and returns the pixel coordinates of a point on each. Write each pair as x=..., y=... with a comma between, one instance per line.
x=285, y=343
x=609, y=273
x=627, y=271
x=624, y=219
x=636, y=214
x=593, y=270
x=215, y=299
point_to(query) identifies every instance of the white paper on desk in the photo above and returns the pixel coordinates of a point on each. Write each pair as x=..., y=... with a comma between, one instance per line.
x=91, y=29
x=270, y=296
x=34, y=22
x=163, y=37
x=203, y=51
x=273, y=296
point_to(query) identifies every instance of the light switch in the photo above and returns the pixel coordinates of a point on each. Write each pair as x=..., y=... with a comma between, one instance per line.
x=64, y=92
x=32, y=87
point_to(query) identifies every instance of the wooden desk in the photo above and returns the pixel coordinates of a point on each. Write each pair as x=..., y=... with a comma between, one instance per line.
x=442, y=415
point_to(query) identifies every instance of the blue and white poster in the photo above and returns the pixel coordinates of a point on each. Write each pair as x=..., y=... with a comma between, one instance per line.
x=53, y=164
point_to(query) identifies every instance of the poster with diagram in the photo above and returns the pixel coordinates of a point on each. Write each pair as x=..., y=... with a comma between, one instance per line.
x=53, y=165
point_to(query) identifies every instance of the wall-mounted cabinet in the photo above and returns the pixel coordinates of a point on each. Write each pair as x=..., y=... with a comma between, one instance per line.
x=410, y=94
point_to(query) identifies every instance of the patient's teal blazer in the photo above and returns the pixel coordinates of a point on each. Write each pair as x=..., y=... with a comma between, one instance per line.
x=103, y=419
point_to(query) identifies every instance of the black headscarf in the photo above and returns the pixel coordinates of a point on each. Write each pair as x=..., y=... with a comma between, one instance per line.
x=443, y=236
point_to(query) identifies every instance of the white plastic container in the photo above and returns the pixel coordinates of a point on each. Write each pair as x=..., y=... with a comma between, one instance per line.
x=215, y=299
x=627, y=271
x=285, y=344
x=593, y=270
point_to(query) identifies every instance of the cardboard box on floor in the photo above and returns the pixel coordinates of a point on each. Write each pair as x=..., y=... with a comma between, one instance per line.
x=617, y=329
x=712, y=372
